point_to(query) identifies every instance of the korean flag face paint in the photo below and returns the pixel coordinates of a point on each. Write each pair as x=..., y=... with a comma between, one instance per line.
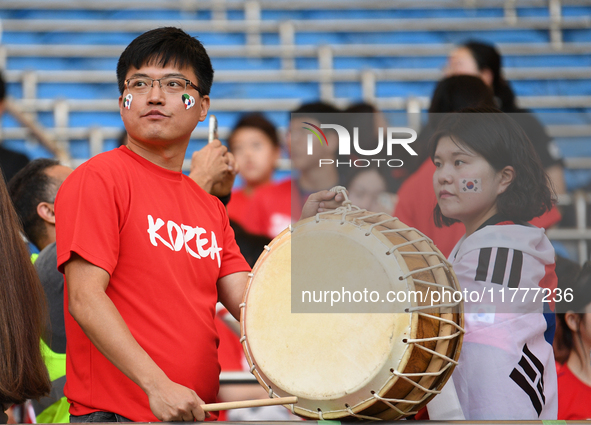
x=189, y=101
x=470, y=186
x=127, y=102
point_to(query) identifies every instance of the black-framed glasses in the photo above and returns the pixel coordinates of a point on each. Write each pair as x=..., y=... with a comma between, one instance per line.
x=142, y=85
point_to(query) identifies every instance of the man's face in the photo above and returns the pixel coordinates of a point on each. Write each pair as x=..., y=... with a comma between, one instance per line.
x=160, y=118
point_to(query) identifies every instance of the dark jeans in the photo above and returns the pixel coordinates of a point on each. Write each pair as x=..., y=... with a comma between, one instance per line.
x=99, y=417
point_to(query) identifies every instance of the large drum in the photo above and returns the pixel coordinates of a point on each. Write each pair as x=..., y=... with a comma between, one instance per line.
x=367, y=365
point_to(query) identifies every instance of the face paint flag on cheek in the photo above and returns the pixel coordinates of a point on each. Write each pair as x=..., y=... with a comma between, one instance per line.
x=470, y=186
x=189, y=101
x=127, y=102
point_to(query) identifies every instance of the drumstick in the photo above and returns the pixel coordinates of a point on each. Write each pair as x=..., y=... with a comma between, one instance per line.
x=213, y=128
x=214, y=407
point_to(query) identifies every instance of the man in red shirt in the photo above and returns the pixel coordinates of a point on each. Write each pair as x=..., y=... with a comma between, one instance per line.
x=146, y=252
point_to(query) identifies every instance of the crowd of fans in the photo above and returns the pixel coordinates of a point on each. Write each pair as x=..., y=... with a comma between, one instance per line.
x=32, y=302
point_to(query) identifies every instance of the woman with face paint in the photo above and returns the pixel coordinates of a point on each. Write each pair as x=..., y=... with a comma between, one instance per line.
x=573, y=350
x=488, y=178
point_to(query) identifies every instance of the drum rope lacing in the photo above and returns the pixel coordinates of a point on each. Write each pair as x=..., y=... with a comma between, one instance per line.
x=346, y=210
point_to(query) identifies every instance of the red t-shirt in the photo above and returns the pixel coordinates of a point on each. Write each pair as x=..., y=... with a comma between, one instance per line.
x=165, y=243
x=272, y=208
x=573, y=395
x=230, y=352
x=416, y=201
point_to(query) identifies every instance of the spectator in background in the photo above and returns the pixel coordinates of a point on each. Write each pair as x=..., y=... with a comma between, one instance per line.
x=484, y=61
x=255, y=145
x=274, y=207
x=368, y=190
x=10, y=161
x=33, y=190
x=368, y=120
x=309, y=176
x=572, y=347
x=365, y=121
x=22, y=316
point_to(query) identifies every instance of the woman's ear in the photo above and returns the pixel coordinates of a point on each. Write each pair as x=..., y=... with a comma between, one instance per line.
x=507, y=175
x=572, y=321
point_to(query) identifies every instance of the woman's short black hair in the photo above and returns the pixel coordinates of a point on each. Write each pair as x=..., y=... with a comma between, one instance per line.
x=258, y=121
x=164, y=46
x=501, y=141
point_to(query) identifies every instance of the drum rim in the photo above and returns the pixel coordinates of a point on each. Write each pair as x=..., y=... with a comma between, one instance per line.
x=450, y=277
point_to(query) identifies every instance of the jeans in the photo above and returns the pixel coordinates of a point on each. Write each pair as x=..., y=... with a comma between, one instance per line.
x=99, y=417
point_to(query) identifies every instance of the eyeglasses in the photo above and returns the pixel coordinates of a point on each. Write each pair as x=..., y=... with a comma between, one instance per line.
x=142, y=85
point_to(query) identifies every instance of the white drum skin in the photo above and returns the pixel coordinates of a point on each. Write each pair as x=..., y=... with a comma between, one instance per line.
x=363, y=365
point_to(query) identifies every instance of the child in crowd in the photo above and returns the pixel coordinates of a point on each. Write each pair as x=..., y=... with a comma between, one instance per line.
x=488, y=178
x=255, y=145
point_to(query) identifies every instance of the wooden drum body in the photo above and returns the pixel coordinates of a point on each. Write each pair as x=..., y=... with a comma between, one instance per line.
x=366, y=365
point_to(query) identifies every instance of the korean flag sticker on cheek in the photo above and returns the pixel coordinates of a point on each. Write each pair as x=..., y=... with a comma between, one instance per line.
x=127, y=102
x=470, y=186
x=189, y=101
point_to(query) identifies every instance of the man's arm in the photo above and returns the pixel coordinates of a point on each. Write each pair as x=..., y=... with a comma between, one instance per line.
x=102, y=323
x=231, y=290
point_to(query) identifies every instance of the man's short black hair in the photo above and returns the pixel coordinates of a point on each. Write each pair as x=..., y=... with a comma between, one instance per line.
x=30, y=186
x=163, y=46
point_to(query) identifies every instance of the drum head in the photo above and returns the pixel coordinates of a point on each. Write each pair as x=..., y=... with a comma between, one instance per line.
x=329, y=360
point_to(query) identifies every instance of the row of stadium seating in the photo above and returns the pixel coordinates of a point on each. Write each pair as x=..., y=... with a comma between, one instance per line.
x=59, y=59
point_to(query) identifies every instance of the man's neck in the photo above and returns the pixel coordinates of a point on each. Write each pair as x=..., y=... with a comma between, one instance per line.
x=170, y=156
x=316, y=179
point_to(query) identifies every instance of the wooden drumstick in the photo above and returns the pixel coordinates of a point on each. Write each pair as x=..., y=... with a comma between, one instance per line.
x=214, y=407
